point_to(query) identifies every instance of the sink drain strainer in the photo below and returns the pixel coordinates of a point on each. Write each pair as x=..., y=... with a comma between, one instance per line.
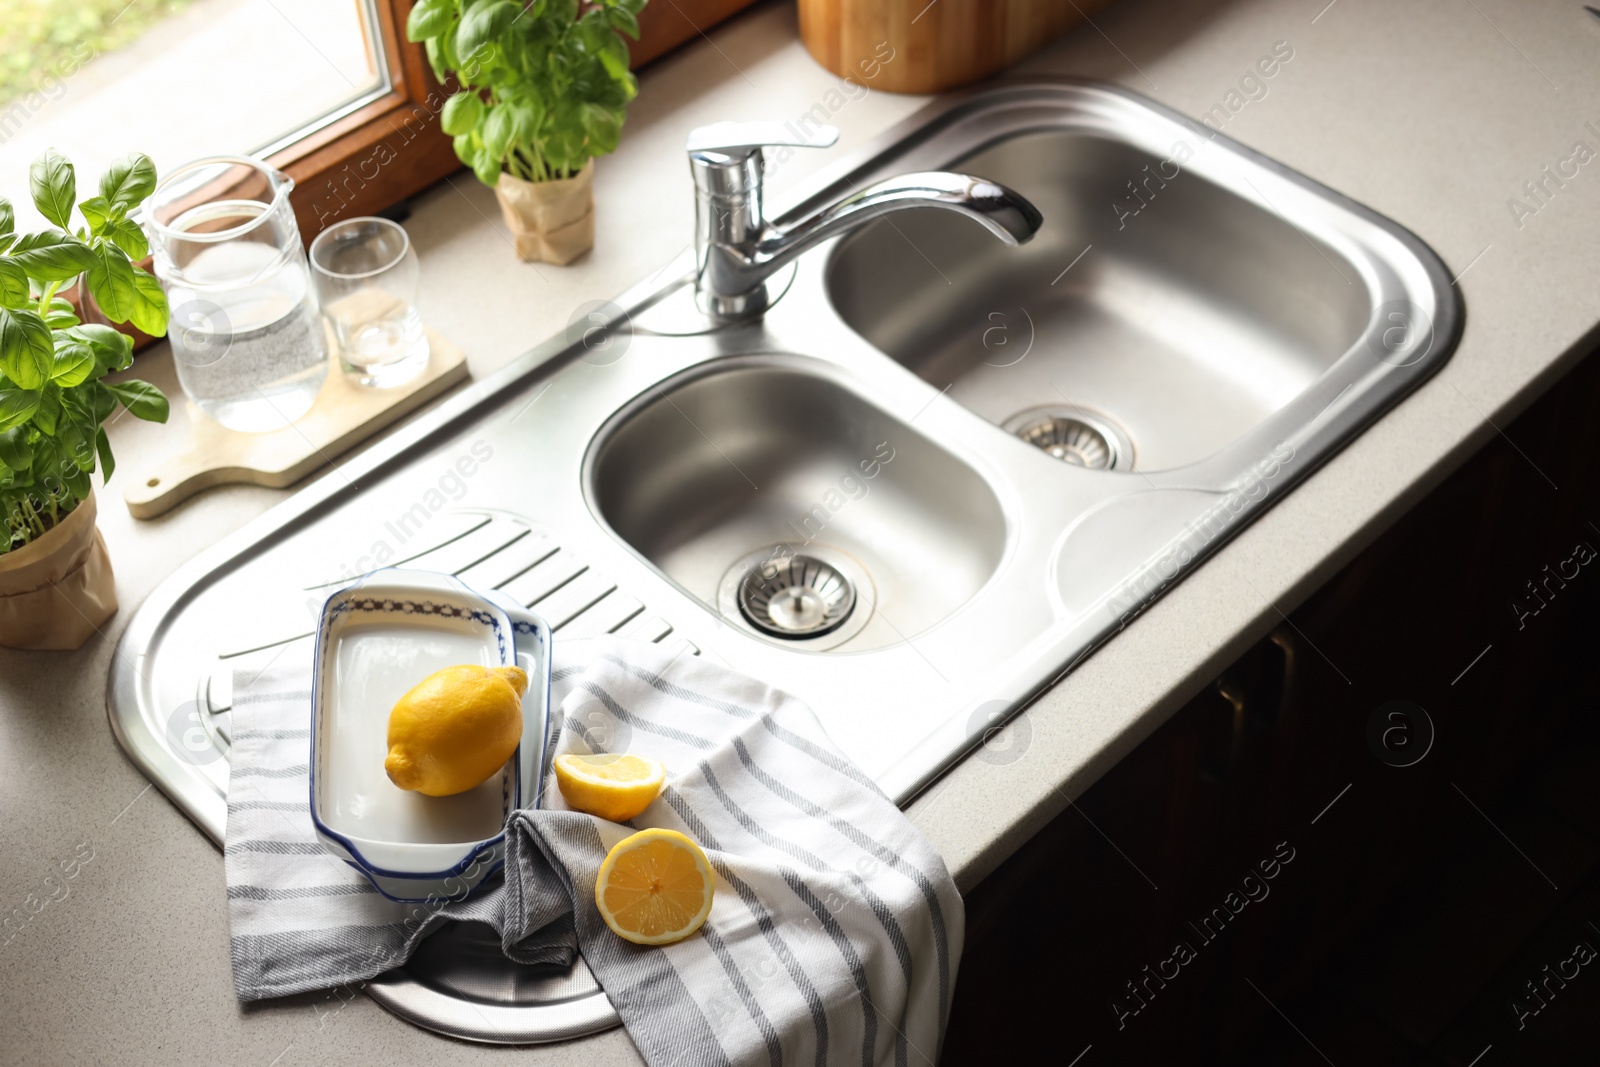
x=797, y=597
x=1078, y=438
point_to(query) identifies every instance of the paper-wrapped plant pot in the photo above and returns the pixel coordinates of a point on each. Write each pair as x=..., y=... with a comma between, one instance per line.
x=553, y=222
x=56, y=591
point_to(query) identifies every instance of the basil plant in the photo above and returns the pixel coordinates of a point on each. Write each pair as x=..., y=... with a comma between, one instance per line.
x=54, y=403
x=544, y=87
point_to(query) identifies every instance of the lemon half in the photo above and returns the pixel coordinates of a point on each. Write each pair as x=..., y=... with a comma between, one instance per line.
x=655, y=887
x=615, y=787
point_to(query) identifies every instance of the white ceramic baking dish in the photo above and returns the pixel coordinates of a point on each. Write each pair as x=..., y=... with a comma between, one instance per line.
x=376, y=639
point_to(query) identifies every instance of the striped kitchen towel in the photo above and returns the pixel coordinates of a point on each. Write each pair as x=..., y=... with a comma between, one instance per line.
x=835, y=933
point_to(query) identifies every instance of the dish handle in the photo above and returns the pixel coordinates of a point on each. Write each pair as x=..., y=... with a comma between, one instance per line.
x=532, y=638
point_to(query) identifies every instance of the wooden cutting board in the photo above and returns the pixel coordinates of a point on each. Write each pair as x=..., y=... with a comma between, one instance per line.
x=913, y=46
x=344, y=415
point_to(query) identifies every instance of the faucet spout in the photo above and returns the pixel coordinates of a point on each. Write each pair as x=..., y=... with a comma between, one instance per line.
x=737, y=249
x=1003, y=212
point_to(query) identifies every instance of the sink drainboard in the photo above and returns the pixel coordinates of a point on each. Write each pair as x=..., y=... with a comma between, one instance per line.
x=458, y=982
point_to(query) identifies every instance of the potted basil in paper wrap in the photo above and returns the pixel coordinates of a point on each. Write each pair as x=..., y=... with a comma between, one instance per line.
x=56, y=586
x=544, y=88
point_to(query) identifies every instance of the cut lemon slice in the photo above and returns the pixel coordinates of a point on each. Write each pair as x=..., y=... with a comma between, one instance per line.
x=654, y=888
x=612, y=787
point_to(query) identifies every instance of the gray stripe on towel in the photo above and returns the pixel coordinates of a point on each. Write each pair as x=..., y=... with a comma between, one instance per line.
x=272, y=698
x=719, y=948
x=874, y=903
x=666, y=1021
x=275, y=848
x=883, y=853
x=582, y=731
x=672, y=689
x=637, y=723
x=248, y=734
x=858, y=972
x=256, y=892
x=299, y=770
x=820, y=754
x=702, y=834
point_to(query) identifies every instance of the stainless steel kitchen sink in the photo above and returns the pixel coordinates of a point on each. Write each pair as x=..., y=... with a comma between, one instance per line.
x=927, y=482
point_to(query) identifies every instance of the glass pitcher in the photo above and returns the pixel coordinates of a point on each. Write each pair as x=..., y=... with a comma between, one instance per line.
x=246, y=338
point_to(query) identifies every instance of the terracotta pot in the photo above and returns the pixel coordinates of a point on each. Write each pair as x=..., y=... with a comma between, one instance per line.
x=56, y=592
x=553, y=222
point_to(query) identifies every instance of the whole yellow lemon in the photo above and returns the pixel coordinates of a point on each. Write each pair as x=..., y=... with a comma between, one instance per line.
x=455, y=728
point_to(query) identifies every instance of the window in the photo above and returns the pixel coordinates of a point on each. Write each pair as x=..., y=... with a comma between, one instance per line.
x=327, y=90
x=189, y=79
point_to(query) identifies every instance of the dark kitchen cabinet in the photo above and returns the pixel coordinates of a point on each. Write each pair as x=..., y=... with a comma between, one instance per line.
x=1429, y=897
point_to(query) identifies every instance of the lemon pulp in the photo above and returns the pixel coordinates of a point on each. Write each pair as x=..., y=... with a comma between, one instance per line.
x=655, y=887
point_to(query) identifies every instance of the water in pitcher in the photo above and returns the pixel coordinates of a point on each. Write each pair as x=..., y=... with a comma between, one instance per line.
x=250, y=355
x=246, y=338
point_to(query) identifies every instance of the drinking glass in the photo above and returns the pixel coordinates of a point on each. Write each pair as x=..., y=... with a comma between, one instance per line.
x=366, y=277
x=245, y=337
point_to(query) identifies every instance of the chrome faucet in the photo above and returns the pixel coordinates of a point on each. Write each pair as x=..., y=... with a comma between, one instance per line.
x=737, y=249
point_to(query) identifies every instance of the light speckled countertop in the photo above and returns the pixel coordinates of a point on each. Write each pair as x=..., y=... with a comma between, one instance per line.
x=1432, y=112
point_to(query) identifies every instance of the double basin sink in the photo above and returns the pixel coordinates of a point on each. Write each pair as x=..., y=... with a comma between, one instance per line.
x=933, y=477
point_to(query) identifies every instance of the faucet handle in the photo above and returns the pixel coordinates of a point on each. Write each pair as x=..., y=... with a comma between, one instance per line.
x=725, y=159
x=747, y=138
